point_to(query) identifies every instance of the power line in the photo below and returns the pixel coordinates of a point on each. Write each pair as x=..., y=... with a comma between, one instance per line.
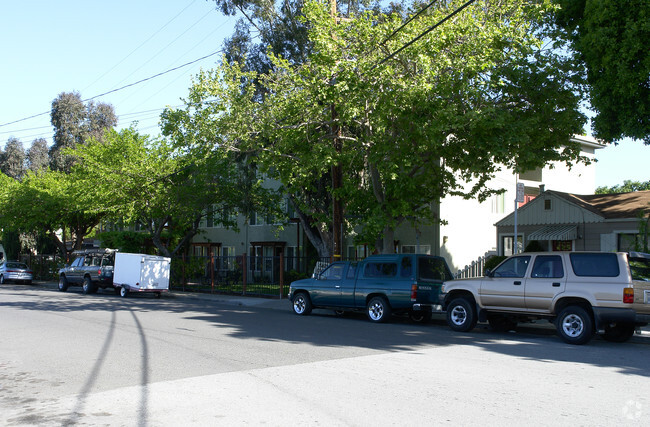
x=427, y=31
x=141, y=44
x=123, y=87
x=408, y=21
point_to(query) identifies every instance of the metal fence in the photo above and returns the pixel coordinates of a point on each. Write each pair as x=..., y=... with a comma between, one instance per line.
x=268, y=276
x=240, y=275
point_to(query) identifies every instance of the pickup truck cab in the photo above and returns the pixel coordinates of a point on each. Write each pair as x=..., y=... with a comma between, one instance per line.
x=582, y=292
x=91, y=269
x=379, y=285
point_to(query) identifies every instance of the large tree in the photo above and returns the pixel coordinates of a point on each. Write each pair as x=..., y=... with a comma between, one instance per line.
x=74, y=124
x=37, y=156
x=137, y=179
x=52, y=203
x=610, y=39
x=12, y=160
x=438, y=118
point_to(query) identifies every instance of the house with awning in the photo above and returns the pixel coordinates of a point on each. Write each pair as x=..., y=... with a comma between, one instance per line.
x=564, y=221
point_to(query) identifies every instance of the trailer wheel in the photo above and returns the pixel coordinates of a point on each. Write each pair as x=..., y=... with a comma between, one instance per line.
x=123, y=292
x=156, y=295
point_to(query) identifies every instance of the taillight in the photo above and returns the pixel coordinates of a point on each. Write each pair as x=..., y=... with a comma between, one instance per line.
x=99, y=272
x=414, y=292
x=628, y=295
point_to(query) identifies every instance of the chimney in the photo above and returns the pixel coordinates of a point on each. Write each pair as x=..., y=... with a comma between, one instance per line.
x=541, y=188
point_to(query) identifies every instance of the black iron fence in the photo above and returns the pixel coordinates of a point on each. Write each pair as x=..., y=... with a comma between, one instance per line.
x=240, y=275
x=268, y=276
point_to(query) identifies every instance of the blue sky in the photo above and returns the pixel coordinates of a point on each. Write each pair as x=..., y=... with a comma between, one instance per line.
x=94, y=47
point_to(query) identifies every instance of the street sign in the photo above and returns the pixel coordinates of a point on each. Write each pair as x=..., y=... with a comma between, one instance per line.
x=520, y=192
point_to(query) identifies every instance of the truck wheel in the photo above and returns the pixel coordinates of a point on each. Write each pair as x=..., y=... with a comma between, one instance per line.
x=2, y=279
x=301, y=304
x=461, y=315
x=63, y=284
x=619, y=333
x=87, y=286
x=123, y=292
x=420, y=316
x=378, y=310
x=501, y=323
x=574, y=325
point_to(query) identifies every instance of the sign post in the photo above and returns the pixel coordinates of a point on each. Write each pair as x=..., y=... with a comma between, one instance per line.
x=518, y=199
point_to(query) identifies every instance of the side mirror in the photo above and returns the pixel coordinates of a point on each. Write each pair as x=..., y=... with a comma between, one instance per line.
x=487, y=272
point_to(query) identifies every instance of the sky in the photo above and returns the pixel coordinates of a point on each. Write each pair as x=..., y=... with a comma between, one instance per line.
x=95, y=47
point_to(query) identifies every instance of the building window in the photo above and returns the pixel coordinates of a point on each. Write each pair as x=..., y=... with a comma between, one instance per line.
x=547, y=204
x=499, y=203
x=507, y=244
x=411, y=249
x=357, y=252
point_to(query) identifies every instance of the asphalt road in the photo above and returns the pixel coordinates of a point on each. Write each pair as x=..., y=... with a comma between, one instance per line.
x=70, y=359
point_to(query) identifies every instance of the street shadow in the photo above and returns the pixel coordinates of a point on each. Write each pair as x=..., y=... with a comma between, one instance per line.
x=325, y=329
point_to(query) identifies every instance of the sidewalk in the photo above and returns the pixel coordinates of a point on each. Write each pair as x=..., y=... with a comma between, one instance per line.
x=238, y=300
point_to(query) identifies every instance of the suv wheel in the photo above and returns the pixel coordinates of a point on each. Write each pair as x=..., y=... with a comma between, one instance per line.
x=87, y=286
x=301, y=304
x=63, y=283
x=420, y=316
x=574, y=325
x=461, y=315
x=378, y=310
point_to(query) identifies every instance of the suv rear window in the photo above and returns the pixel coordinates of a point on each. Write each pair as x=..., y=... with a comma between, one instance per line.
x=595, y=264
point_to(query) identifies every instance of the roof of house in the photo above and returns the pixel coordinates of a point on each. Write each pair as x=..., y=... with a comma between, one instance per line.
x=610, y=206
x=580, y=208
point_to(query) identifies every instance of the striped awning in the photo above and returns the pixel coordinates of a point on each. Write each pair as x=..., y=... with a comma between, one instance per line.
x=555, y=232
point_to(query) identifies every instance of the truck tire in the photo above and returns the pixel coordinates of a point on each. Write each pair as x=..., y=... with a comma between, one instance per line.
x=2, y=279
x=302, y=304
x=461, y=315
x=63, y=283
x=87, y=286
x=420, y=316
x=378, y=309
x=123, y=292
x=619, y=333
x=574, y=325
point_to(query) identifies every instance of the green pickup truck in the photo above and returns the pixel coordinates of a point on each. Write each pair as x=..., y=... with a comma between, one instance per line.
x=380, y=285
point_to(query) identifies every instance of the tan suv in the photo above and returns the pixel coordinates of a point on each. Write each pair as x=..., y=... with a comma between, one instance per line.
x=582, y=292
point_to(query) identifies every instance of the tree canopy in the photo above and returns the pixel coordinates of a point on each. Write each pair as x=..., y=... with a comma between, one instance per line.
x=438, y=118
x=628, y=186
x=610, y=39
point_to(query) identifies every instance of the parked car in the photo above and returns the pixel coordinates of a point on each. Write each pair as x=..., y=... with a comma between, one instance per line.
x=15, y=271
x=583, y=293
x=379, y=285
x=91, y=269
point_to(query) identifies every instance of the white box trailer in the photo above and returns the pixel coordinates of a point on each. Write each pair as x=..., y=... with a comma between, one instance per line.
x=141, y=273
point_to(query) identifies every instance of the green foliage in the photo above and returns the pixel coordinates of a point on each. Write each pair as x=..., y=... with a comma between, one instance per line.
x=12, y=160
x=75, y=124
x=493, y=261
x=610, y=39
x=125, y=241
x=628, y=186
x=534, y=246
x=440, y=118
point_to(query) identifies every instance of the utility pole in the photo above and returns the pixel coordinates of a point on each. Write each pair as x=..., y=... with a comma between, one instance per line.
x=337, y=172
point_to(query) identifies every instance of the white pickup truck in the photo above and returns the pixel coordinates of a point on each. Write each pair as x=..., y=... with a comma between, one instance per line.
x=582, y=292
